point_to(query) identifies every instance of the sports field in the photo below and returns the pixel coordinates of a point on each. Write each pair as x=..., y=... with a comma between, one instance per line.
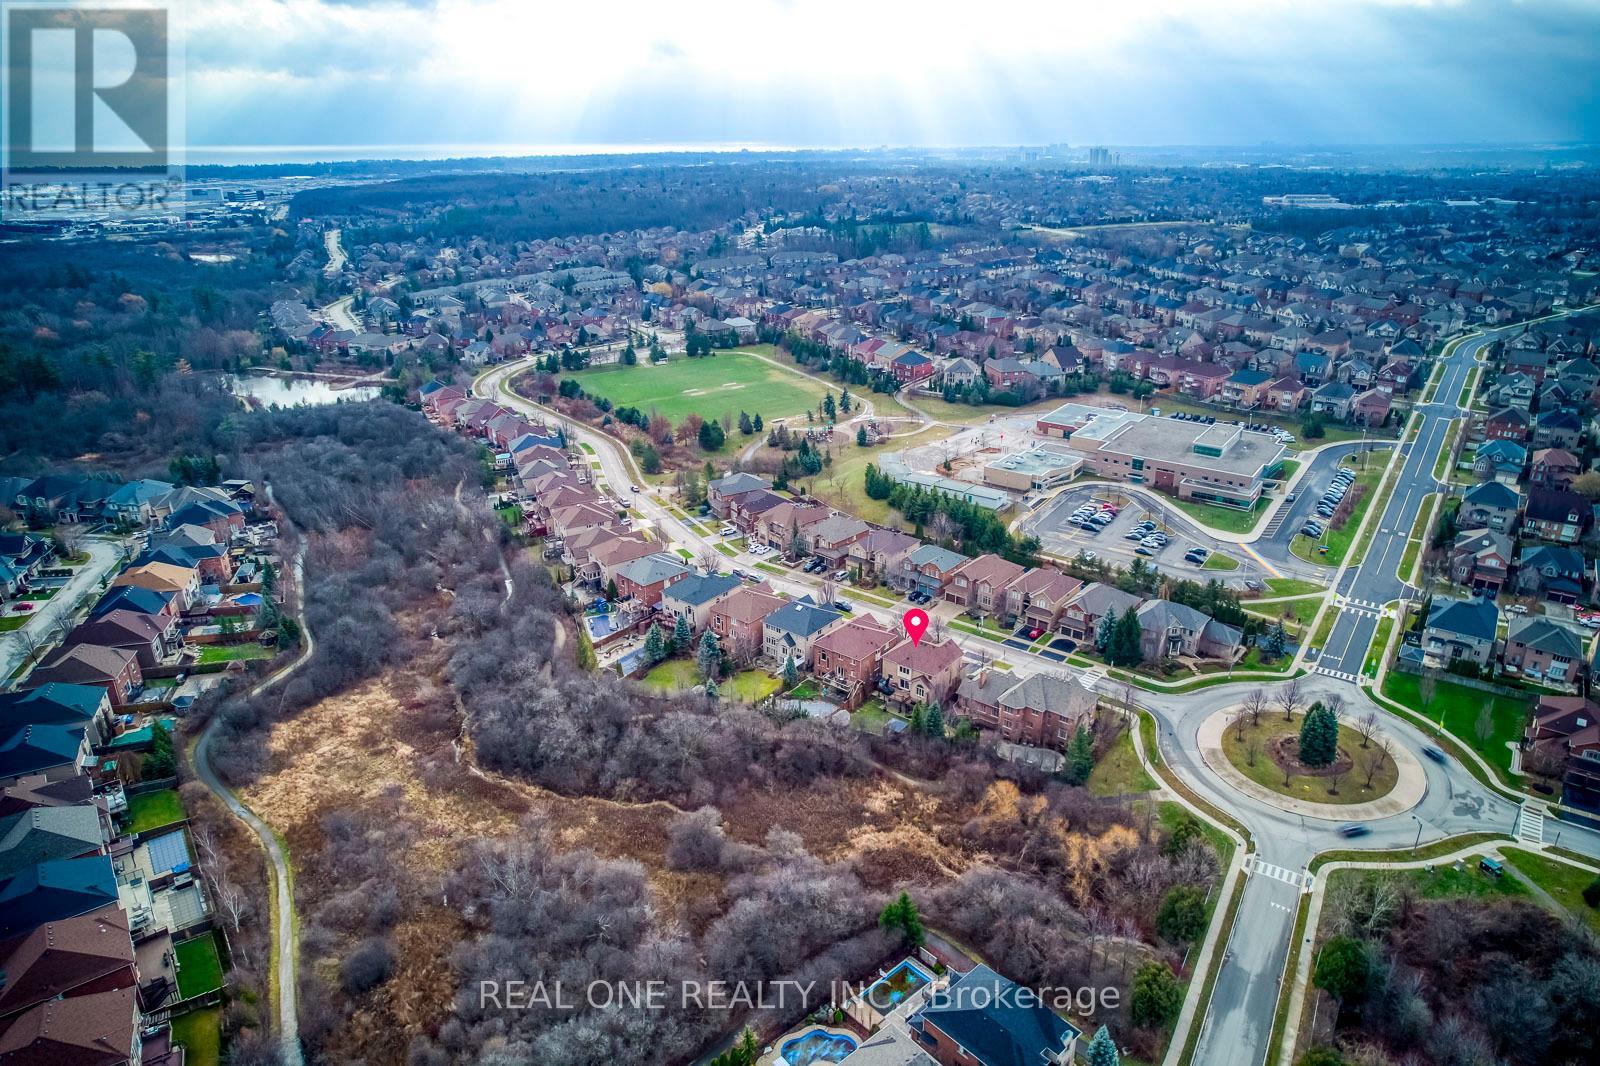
x=730, y=381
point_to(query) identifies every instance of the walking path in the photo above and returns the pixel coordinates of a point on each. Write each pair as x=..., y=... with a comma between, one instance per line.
x=285, y=931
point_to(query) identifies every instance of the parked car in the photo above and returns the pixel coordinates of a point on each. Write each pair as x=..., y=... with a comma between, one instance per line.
x=841, y=575
x=844, y=605
x=728, y=531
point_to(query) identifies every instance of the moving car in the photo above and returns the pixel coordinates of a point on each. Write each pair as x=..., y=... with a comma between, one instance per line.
x=1353, y=829
x=1435, y=754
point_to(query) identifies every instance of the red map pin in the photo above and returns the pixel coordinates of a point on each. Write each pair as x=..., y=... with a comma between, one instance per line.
x=916, y=623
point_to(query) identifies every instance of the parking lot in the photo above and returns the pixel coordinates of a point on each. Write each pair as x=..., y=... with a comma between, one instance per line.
x=1182, y=554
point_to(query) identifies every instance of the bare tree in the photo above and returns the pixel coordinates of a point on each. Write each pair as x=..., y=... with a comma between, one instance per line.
x=709, y=559
x=941, y=527
x=1339, y=770
x=70, y=536
x=828, y=590
x=1369, y=760
x=1483, y=729
x=1335, y=703
x=1238, y=726
x=1288, y=699
x=1252, y=750
x=1254, y=704
x=1367, y=724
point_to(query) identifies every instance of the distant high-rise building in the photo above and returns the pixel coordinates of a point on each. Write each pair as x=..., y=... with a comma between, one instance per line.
x=1099, y=159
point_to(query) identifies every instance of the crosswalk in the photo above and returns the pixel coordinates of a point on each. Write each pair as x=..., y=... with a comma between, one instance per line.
x=1530, y=824
x=1342, y=675
x=1300, y=879
x=1276, y=523
x=1090, y=679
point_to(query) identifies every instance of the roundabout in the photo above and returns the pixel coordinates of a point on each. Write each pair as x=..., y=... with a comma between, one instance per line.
x=1367, y=780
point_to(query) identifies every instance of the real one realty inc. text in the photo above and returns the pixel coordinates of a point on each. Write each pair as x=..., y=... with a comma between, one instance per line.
x=766, y=995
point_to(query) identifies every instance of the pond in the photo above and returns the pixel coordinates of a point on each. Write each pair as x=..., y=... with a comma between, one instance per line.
x=270, y=390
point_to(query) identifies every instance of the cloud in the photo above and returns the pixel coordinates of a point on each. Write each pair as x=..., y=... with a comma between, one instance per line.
x=844, y=72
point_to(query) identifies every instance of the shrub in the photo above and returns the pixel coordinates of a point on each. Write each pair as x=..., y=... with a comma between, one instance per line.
x=1156, y=997
x=367, y=967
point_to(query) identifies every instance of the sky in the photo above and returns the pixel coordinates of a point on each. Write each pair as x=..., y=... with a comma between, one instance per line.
x=353, y=77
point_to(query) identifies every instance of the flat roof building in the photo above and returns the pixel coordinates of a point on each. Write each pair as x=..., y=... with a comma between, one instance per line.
x=1210, y=462
x=1035, y=468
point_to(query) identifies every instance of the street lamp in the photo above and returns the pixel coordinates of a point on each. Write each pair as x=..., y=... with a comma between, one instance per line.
x=1418, y=842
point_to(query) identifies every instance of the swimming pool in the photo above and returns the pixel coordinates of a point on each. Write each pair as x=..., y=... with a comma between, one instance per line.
x=818, y=1045
x=896, y=986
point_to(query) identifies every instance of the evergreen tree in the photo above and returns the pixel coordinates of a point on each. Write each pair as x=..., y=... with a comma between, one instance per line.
x=828, y=408
x=1105, y=632
x=1102, y=1050
x=933, y=722
x=682, y=635
x=1182, y=917
x=901, y=914
x=1274, y=643
x=1156, y=997
x=712, y=691
x=844, y=400
x=611, y=591
x=756, y=422
x=861, y=437
x=745, y=425
x=709, y=656
x=1319, y=736
x=1080, y=757
x=791, y=675
x=1126, y=641
x=655, y=645
x=711, y=436
x=1343, y=969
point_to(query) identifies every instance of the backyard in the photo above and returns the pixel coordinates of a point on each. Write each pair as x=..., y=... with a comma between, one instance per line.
x=151, y=810
x=199, y=1033
x=1459, y=706
x=680, y=675
x=226, y=653
x=199, y=966
x=724, y=383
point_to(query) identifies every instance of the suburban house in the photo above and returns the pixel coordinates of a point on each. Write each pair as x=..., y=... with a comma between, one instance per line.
x=691, y=598
x=647, y=578
x=1172, y=630
x=1080, y=619
x=52, y=751
x=1480, y=559
x=1042, y=710
x=881, y=552
x=1500, y=460
x=831, y=538
x=1565, y=735
x=94, y=1029
x=721, y=493
x=736, y=620
x=1459, y=631
x=1551, y=572
x=926, y=672
x=984, y=1018
x=1554, y=468
x=978, y=585
x=59, y=703
x=1543, y=651
x=1037, y=597
x=792, y=630
x=783, y=528
x=847, y=658
x=1555, y=515
x=114, y=669
x=1508, y=423
x=138, y=633
x=182, y=582
x=929, y=569
x=1491, y=505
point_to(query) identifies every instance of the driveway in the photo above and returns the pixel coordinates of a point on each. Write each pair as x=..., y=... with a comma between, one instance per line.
x=104, y=554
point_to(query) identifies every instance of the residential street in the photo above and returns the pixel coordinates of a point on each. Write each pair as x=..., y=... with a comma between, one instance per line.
x=104, y=554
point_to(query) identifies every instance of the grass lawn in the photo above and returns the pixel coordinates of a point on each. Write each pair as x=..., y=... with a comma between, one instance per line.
x=1261, y=768
x=1444, y=454
x=1218, y=561
x=1227, y=519
x=511, y=515
x=727, y=382
x=200, y=1034
x=1118, y=770
x=1459, y=706
x=199, y=966
x=1169, y=814
x=224, y=653
x=1380, y=641
x=1292, y=586
x=1419, y=530
x=1287, y=469
x=1565, y=883
x=1444, y=882
x=1301, y=612
x=150, y=810
x=752, y=685
x=39, y=595
x=13, y=622
x=672, y=675
x=871, y=717
x=1320, y=638
x=968, y=415
x=842, y=484
x=805, y=690
x=1339, y=540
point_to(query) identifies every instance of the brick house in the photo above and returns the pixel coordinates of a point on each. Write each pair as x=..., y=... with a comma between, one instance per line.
x=692, y=598
x=847, y=659
x=1041, y=710
x=736, y=620
x=1038, y=597
x=1459, y=630
x=114, y=669
x=646, y=579
x=1551, y=572
x=1543, y=650
x=1480, y=559
x=831, y=538
x=1555, y=515
x=881, y=552
x=1490, y=505
x=792, y=630
x=922, y=673
x=721, y=493
x=181, y=582
x=1554, y=468
x=983, y=1017
x=1081, y=616
x=129, y=630
x=929, y=569
x=978, y=585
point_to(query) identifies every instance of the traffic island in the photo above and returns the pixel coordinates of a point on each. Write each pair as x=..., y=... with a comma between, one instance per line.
x=1364, y=781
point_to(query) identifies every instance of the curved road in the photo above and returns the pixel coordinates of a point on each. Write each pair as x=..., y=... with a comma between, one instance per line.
x=286, y=949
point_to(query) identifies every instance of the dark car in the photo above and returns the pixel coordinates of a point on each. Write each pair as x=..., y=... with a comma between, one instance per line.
x=1353, y=829
x=1435, y=754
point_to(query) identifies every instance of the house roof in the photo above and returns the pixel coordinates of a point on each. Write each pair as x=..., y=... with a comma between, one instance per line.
x=800, y=618
x=58, y=957
x=856, y=639
x=44, y=833
x=146, y=601
x=994, y=1020
x=942, y=559
x=1492, y=494
x=85, y=663
x=736, y=483
x=51, y=891
x=1545, y=634
x=990, y=568
x=748, y=604
x=37, y=790
x=1099, y=599
x=92, y=1030
x=697, y=589
x=927, y=657
x=1474, y=618
x=52, y=703
x=30, y=748
x=1556, y=505
x=650, y=569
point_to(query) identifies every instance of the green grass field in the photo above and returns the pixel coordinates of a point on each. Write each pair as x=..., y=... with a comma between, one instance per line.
x=1292, y=586
x=1565, y=883
x=1460, y=707
x=222, y=653
x=1118, y=771
x=199, y=966
x=199, y=1033
x=728, y=382
x=151, y=810
x=1218, y=561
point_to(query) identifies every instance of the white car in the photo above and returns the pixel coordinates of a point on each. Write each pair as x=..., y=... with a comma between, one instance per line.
x=728, y=531
x=1517, y=608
